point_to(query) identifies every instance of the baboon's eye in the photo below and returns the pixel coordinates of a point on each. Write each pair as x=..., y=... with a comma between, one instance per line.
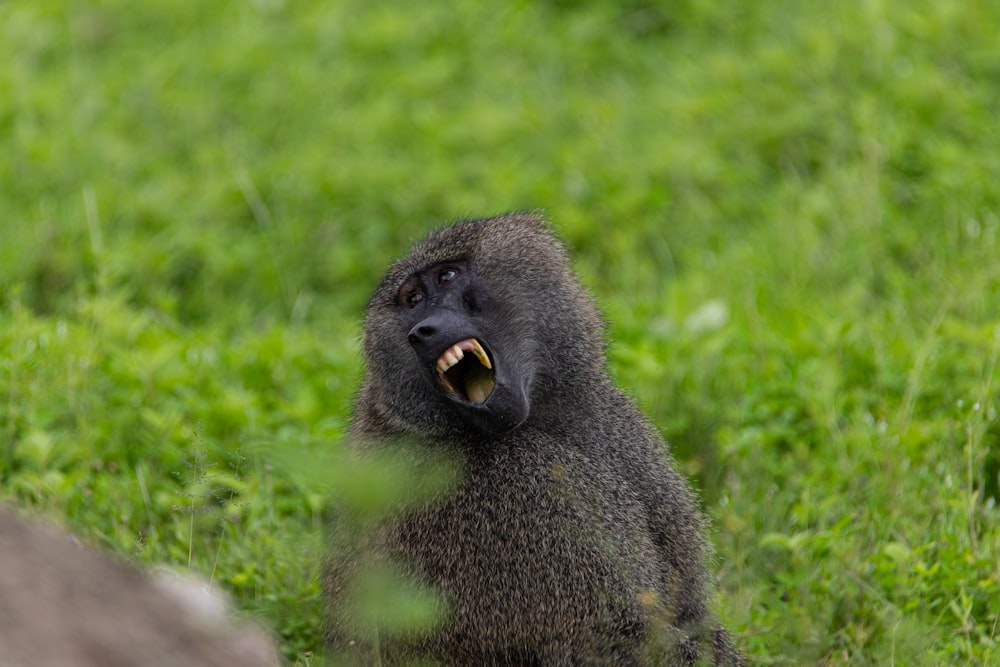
x=447, y=276
x=410, y=297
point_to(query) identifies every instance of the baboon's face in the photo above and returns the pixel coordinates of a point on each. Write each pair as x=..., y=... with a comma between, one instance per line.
x=455, y=326
x=481, y=327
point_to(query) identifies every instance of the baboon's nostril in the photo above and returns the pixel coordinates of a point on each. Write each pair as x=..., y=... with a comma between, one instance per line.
x=421, y=332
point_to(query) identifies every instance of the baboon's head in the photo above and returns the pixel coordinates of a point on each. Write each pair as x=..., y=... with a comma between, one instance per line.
x=479, y=325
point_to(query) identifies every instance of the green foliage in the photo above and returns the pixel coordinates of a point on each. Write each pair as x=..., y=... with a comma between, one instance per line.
x=788, y=210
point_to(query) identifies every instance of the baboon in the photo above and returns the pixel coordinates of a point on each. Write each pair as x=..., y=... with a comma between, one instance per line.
x=64, y=605
x=570, y=538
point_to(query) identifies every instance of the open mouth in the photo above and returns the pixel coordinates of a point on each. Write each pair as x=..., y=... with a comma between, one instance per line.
x=469, y=377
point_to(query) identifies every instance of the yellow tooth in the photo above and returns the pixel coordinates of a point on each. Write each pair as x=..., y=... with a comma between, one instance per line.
x=449, y=359
x=480, y=353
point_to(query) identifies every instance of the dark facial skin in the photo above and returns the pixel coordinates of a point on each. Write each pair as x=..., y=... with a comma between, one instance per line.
x=458, y=340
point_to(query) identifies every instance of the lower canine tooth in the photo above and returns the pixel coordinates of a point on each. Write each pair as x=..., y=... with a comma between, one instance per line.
x=477, y=394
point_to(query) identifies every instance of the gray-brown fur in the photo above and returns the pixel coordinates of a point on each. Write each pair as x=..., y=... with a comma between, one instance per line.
x=570, y=539
x=64, y=605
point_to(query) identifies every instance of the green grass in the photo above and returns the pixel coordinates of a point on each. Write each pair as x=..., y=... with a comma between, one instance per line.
x=789, y=211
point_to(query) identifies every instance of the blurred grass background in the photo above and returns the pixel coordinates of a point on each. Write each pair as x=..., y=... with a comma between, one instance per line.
x=789, y=212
